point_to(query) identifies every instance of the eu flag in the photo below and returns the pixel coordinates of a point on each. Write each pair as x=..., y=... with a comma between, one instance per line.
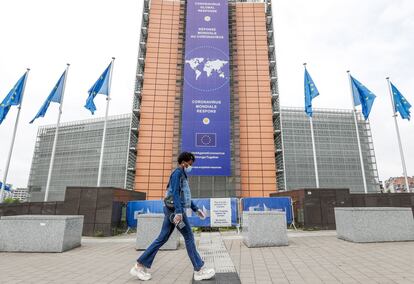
x=101, y=86
x=6, y=188
x=400, y=103
x=206, y=140
x=54, y=96
x=13, y=98
x=362, y=96
x=310, y=92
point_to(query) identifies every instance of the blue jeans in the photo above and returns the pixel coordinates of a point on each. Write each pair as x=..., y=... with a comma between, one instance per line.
x=147, y=257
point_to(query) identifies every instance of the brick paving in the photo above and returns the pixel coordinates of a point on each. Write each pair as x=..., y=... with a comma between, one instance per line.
x=96, y=261
x=322, y=258
x=311, y=257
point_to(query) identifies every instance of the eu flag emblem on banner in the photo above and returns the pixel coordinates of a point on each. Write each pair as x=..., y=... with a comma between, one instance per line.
x=206, y=140
x=400, y=103
x=310, y=92
x=54, y=96
x=101, y=86
x=13, y=98
x=362, y=96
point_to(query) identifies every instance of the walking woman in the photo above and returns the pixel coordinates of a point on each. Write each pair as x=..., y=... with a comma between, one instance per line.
x=179, y=194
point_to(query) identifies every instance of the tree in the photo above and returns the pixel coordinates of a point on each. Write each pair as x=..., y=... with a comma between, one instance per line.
x=10, y=200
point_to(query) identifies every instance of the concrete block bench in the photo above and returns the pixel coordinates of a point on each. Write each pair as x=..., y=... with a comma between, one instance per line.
x=40, y=233
x=374, y=224
x=265, y=229
x=148, y=229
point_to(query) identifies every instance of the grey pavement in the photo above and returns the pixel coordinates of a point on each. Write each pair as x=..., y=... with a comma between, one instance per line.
x=311, y=257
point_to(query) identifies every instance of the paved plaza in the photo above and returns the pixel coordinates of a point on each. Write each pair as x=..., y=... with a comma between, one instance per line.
x=311, y=257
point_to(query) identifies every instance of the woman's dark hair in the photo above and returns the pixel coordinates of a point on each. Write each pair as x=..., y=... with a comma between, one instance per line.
x=186, y=157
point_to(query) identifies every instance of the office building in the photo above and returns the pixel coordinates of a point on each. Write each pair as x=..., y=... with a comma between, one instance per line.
x=397, y=184
x=77, y=156
x=193, y=50
x=22, y=194
x=336, y=146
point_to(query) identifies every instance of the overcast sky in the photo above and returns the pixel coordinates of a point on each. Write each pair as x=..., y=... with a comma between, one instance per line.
x=372, y=38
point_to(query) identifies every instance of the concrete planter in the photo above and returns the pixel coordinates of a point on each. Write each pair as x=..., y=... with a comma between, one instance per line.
x=265, y=228
x=148, y=229
x=40, y=233
x=374, y=224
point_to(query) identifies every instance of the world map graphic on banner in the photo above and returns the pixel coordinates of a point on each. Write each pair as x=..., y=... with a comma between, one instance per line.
x=207, y=69
x=208, y=66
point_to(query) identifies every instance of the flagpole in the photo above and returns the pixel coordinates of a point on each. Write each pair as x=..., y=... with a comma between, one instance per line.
x=6, y=171
x=357, y=133
x=105, y=124
x=314, y=153
x=398, y=135
x=313, y=147
x=52, y=157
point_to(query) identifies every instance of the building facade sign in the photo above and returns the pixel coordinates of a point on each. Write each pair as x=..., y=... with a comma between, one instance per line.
x=206, y=91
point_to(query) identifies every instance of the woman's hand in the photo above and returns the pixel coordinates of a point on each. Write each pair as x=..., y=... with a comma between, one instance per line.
x=201, y=214
x=177, y=218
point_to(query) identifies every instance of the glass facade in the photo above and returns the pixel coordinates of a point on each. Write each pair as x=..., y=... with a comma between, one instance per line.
x=77, y=156
x=336, y=150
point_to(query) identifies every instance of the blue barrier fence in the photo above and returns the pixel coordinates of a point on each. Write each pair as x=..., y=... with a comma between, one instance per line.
x=156, y=206
x=204, y=204
x=142, y=207
x=269, y=204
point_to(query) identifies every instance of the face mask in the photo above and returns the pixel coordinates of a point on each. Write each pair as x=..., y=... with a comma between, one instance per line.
x=188, y=169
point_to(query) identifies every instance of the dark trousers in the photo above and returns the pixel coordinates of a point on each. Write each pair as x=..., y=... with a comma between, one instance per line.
x=147, y=257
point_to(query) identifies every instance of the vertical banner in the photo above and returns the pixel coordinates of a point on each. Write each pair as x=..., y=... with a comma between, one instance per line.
x=206, y=90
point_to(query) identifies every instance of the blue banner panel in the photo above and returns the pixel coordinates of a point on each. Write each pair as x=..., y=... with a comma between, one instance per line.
x=156, y=206
x=269, y=204
x=206, y=90
x=204, y=204
x=142, y=207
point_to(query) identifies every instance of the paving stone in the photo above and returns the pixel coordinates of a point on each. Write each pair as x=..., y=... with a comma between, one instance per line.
x=315, y=258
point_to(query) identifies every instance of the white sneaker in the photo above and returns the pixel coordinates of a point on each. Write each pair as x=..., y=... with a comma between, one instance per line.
x=140, y=272
x=204, y=274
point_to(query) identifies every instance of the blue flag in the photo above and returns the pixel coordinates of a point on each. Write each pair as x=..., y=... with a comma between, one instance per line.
x=6, y=188
x=101, y=86
x=13, y=98
x=54, y=96
x=400, y=103
x=310, y=92
x=362, y=96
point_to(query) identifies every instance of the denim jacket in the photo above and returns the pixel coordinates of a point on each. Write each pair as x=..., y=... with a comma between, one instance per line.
x=179, y=188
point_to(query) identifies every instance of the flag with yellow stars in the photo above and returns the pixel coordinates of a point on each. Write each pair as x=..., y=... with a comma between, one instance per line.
x=101, y=86
x=13, y=98
x=401, y=105
x=362, y=96
x=310, y=92
x=54, y=96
